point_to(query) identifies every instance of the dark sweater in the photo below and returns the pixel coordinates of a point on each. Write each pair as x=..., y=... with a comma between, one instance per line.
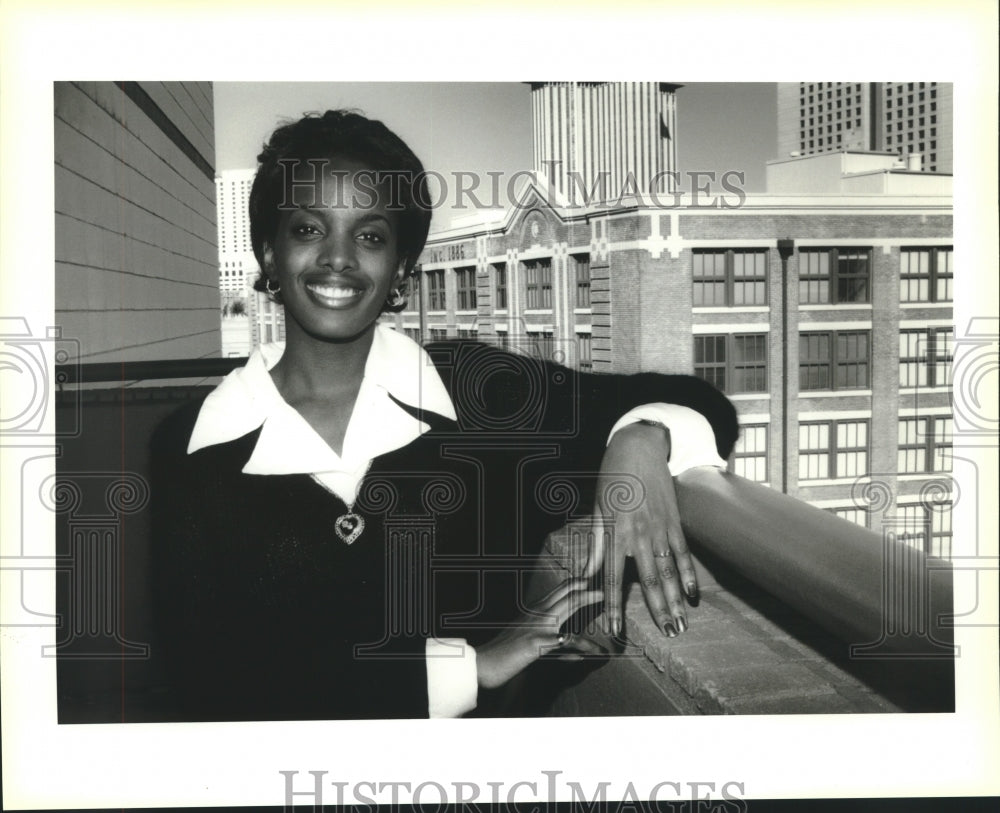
x=266, y=614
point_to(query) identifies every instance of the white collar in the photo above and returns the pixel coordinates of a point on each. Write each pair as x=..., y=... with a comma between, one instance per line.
x=247, y=400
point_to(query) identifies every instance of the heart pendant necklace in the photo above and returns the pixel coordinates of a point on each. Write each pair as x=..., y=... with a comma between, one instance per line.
x=349, y=526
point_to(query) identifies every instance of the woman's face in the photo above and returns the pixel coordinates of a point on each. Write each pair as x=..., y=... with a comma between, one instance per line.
x=335, y=253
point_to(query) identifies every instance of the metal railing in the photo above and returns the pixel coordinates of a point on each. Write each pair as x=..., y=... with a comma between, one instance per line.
x=111, y=371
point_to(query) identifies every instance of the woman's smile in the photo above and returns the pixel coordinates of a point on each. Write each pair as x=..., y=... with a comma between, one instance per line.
x=335, y=295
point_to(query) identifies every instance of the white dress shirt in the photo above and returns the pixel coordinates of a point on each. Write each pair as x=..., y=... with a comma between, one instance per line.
x=247, y=399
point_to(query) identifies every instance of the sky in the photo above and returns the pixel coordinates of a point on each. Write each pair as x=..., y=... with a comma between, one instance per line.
x=480, y=126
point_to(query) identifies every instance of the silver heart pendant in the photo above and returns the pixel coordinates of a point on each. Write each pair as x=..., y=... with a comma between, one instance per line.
x=349, y=527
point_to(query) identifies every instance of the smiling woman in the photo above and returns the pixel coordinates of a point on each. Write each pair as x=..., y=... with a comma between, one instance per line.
x=345, y=526
x=335, y=258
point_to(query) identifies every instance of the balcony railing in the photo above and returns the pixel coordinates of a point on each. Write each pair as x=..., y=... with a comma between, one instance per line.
x=124, y=371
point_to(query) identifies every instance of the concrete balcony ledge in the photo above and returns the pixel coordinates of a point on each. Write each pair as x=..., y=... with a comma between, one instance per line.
x=735, y=660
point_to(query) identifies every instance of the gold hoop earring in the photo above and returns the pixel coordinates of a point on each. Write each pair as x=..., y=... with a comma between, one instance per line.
x=396, y=298
x=267, y=287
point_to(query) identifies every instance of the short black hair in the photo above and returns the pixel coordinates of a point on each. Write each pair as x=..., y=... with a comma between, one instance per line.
x=352, y=135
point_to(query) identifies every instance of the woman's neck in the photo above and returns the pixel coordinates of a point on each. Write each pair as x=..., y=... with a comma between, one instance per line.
x=313, y=368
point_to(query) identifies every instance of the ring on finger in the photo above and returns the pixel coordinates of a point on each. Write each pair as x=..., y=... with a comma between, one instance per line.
x=661, y=555
x=561, y=639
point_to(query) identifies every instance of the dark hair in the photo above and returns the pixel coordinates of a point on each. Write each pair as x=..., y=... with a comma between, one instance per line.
x=351, y=135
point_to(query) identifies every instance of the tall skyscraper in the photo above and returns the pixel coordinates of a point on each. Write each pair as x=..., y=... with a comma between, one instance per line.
x=236, y=260
x=238, y=269
x=907, y=118
x=595, y=140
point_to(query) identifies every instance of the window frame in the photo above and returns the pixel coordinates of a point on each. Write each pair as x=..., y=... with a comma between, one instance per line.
x=935, y=535
x=582, y=276
x=544, y=340
x=833, y=450
x=436, y=288
x=934, y=275
x=729, y=278
x=840, y=510
x=465, y=288
x=835, y=275
x=740, y=454
x=500, y=286
x=834, y=362
x=932, y=361
x=728, y=365
x=538, y=284
x=928, y=442
x=585, y=351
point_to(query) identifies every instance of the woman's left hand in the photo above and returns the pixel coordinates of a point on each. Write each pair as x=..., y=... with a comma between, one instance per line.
x=636, y=515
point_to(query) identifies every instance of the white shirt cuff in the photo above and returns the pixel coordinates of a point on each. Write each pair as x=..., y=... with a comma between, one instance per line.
x=452, y=681
x=692, y=441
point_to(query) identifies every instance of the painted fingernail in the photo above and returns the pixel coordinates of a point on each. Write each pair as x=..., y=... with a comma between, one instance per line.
x=682, y=625
x=691, y=589
x=668, y=628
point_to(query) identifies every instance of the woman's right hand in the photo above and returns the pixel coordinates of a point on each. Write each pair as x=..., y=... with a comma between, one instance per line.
x=534, y=634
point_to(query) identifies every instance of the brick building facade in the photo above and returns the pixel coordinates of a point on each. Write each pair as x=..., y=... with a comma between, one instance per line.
x=837, y=358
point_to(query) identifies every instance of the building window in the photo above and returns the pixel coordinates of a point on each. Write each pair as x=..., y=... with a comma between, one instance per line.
x=413, y=293
x=710, y=359
x=500, y=276
x=538, y=284
x=750, y=454
x=925, y=357
x=731, y=277
x=925, y=529
x=835, y=360
x=413, y=333
x=543, y=344
x=582, y=262
x=465, y=283
x=924, y=445
x=584, y=350
x=435, y=290
x=832, y=449
x=941, y=532
x=467, y=333
x=834, y=276
x=859, y=516
x=925, y=275
x=734, y=363
x=438, y=334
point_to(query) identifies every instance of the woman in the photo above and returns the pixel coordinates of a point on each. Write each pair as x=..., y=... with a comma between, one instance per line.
x=346, y=524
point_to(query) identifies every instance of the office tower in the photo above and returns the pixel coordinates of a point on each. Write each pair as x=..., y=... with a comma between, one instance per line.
x=907, y=118
x=595, y=140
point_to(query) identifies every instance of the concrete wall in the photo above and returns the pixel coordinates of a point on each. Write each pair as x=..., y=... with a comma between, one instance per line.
x=136, y=260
